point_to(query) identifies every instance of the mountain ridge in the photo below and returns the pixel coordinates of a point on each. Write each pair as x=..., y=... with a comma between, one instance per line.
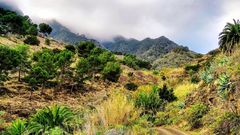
x=159, y=51
x=64, y=34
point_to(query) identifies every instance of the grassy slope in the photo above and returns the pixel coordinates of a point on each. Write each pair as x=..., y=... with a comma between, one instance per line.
x=173, y=59
x=15, y=100
x=108, y=98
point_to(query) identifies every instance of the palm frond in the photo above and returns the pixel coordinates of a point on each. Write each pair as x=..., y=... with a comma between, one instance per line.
x=229, y=38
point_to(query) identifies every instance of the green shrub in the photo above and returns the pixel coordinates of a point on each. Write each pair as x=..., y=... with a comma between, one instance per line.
x=70, y=48
x=9, y=59
x=192, y=68
x=47, y=41
x=45, y=28
x=133, y=62
x=82, y=69
x=12, y=22
x=224, y=85
x=18, y=127
x=163, y=77
x=151, y=102
x=166, y=94
x=227, y=124
x=162, y=118
x=31, y=40
x=143, y=64
x=195, y=114
x=1, y=120
x=112, y=71
x=131, y=86
x=194, y=79
x=84, y=48
x=48, y=119
x=130, y=74
x=156, y=72
x=207, y=76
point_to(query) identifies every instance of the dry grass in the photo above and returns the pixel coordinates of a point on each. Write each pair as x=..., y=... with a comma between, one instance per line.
x=116, y=110
x=13, y=41
x=182, y=90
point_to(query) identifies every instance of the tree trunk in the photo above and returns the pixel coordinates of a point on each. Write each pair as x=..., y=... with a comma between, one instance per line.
x=19, y=74
x=30, y=98
x=42, y=88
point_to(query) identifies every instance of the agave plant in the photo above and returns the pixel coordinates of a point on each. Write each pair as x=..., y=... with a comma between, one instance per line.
x=49, y=119
x=225, y=85
x=229, y=38
x=18, y=127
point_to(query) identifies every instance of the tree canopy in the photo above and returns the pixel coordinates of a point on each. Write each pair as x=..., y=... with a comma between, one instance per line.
x=229, y=38
x=45, y=28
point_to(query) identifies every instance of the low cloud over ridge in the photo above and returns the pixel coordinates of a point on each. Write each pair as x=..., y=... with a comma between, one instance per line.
x=195, y=23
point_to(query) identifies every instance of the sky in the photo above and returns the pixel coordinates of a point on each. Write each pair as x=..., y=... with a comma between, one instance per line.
x=192, y=23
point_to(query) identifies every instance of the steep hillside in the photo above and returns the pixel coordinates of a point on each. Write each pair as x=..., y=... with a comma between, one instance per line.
x=175, y=59
x=158, y=51
x=63, y=34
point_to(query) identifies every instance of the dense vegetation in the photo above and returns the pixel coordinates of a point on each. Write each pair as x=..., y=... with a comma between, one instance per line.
x=11, y=22
x=16, y=24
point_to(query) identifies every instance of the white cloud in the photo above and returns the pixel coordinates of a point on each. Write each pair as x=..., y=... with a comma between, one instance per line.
x=195, y=23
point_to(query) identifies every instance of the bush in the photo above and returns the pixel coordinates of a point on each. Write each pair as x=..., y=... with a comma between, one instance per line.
x=156, y=72
x=112, y=71
x=10, y=59
x=70, y=48
x=130, y=74
x=194, y=79
x=12, y=22
x=131, y=86
x=193, y=68
x=84, y=48
x=151, y=102
x=31, y=40
x=162, y=118
x=163, y=77
x=224, y=85
x=49, y=118
x=133, y=62
x=167, y=94
x=229, y=123
x=18, y=127
x=207, y=76
x=143, y=64
x=195, y=114
x=47, y=41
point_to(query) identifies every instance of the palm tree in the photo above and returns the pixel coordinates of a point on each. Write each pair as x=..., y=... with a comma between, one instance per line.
x=51, y=119
x=229, y=38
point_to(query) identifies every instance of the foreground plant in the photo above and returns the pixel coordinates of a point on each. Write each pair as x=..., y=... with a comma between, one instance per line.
x=229, y=38
x=51, y=119
x=18, y=127
x=151, y=102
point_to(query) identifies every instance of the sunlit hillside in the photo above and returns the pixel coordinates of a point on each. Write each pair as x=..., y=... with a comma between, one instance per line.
x=48, y=87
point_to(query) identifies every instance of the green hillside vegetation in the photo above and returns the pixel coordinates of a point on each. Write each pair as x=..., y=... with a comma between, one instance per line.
x=176, y=58
x=157, y=51
x=58, y=89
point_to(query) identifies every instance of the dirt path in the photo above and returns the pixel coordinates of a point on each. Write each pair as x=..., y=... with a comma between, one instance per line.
x=169, y=131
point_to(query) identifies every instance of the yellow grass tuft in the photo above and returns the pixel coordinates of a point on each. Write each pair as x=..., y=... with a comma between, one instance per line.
x=182, y=90
x=116, y=110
